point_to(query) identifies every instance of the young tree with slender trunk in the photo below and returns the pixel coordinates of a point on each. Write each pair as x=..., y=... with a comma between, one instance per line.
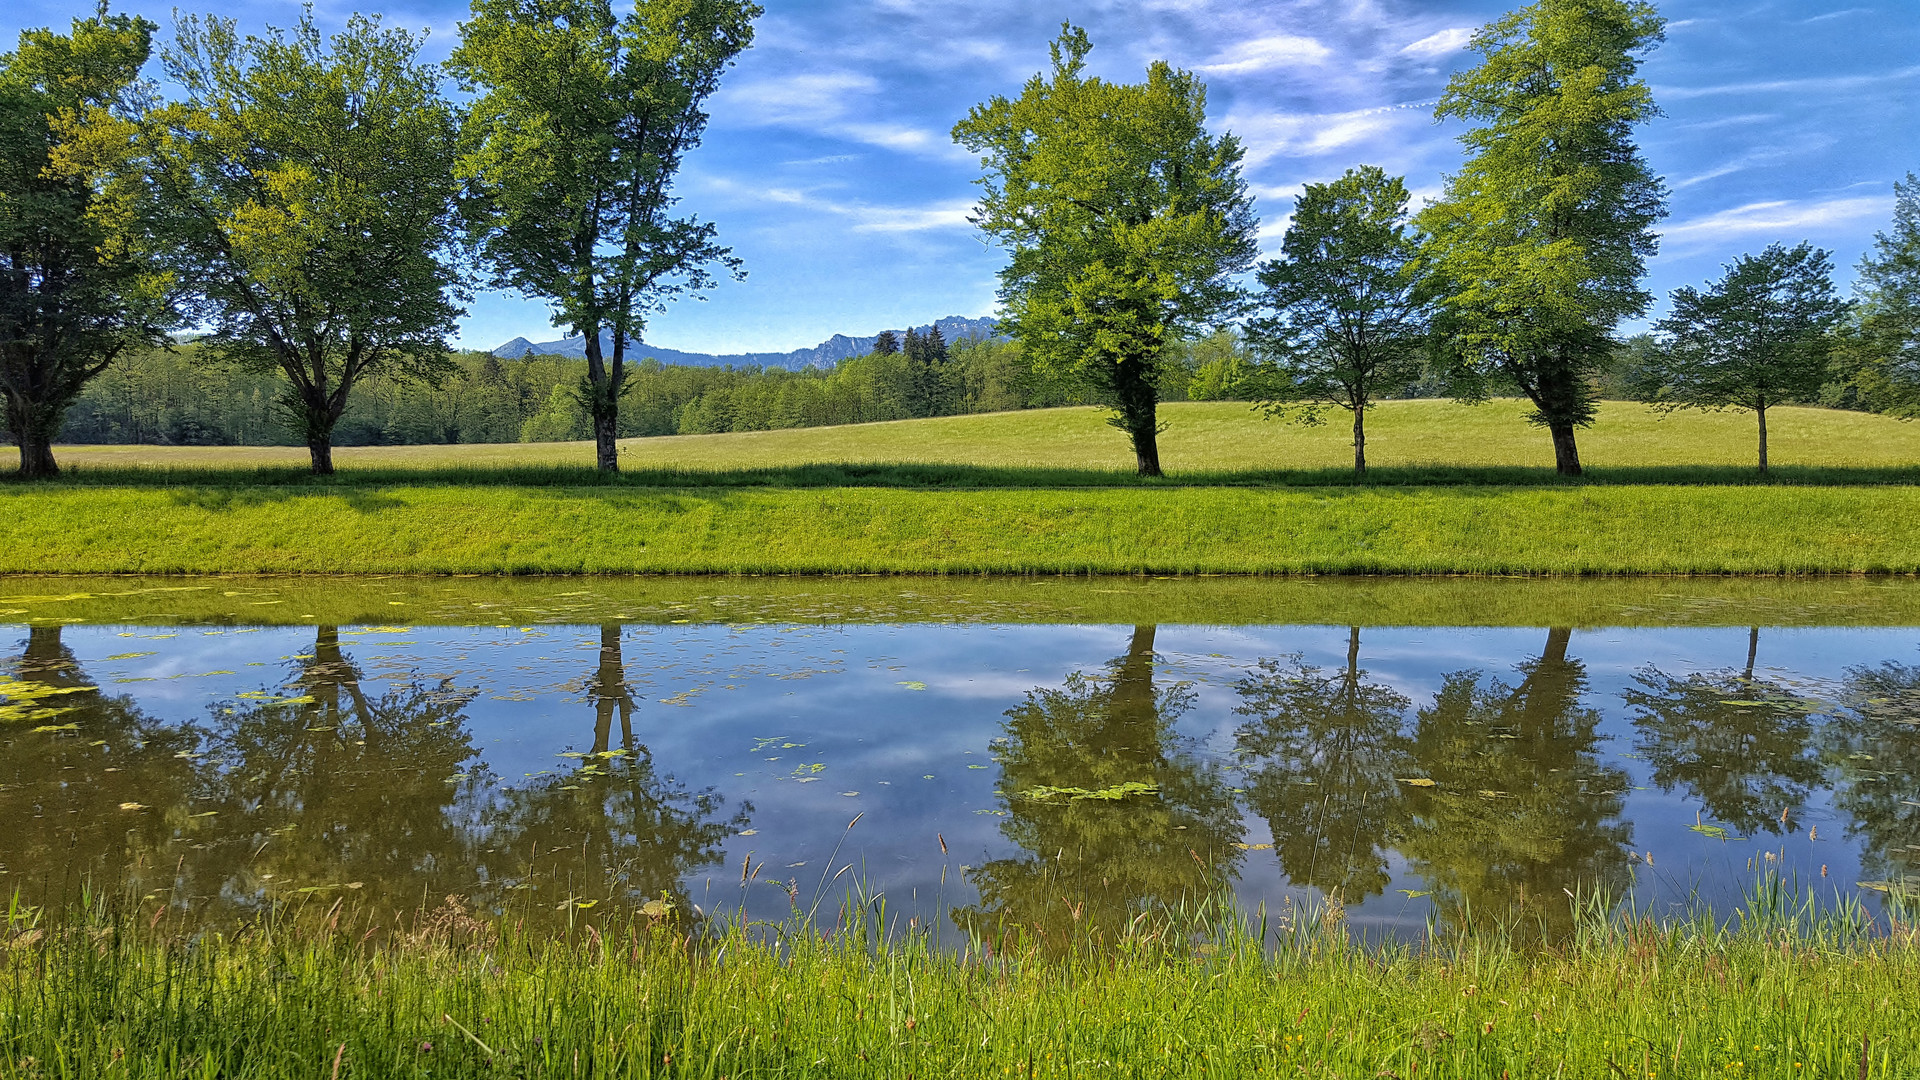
x=1348, y=319
x=75, y=292
x=579, y=124
x=1760, y=336
x=1540, y=242
x=1126, y=222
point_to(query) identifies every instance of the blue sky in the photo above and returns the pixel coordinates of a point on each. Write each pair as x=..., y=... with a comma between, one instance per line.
x=829, y=168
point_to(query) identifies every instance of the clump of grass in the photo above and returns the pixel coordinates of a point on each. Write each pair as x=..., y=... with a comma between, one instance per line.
x=1786, y=989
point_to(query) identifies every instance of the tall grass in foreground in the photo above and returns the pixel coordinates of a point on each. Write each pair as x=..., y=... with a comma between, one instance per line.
x=1782, y=990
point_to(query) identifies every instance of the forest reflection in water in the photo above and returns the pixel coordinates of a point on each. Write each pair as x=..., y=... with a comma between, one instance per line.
x=385, y=768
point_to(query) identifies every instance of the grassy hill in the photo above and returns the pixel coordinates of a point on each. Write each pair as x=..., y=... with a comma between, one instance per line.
x=1202, y=439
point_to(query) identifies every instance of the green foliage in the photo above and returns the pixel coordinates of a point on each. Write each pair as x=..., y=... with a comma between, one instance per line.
x=1125, y=222
x=306, y=193
x=1879, y=350
x=578, y=128
x=1348, y=320
x=1758, y=337
x=75, y=291
x=1540, y=242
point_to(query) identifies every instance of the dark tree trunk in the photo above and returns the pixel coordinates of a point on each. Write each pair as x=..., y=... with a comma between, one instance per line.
x=1761, y=412
x=1138, y=400
x=603, y=401
x=1360, y=442
x=318, y=413
x=321, y=450
x=33, y=428
x=1566, y=454
x=1753, y=650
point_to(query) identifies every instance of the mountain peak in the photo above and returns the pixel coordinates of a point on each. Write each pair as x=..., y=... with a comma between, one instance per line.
x=826, y=354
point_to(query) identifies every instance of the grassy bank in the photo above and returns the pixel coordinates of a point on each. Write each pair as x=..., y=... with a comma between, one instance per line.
x=508, y=530
x=1783, y=995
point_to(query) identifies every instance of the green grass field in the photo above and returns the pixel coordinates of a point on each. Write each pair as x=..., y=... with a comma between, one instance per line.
x=1203, y=438
x=1783, y=995
x=1459, y=490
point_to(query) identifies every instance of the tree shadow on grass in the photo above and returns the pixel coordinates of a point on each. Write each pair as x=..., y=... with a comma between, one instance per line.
x=959, y=477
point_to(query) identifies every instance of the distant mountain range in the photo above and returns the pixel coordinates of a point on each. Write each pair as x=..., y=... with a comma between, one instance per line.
x=824, y=355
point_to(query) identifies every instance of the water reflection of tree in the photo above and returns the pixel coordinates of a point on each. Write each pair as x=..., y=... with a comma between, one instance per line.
x=1323, y=750
x=1520, y=811
x=612, y=828
x=1742, y=745
x=1875, y=740
x=1090, y=864
x=86, y=805
x=324, y=785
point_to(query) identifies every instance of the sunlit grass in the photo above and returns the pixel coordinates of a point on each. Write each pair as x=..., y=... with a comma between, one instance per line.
x=1201, y=438
x=1779, y=991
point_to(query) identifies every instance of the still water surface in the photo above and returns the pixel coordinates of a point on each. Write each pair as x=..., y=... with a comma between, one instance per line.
x=1051, y=775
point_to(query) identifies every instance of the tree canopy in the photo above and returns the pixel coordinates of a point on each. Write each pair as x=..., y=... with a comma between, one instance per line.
x=75, y=291
x=1125, y=221
x=1539, y=244
x=580, y=120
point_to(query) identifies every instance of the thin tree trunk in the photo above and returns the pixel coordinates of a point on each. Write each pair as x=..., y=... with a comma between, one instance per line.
x=1353, y=654
x=1753, y=650
x=1360, y=442
x=1566, y=454
x=1762, y=413
x=602, y=403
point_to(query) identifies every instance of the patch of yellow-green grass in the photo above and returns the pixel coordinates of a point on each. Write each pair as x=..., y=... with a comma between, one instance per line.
x=1208, y=437
x=1132, y=600
x=398, y=529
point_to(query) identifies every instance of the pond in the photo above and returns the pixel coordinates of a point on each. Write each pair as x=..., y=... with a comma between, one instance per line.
x=1428, y=754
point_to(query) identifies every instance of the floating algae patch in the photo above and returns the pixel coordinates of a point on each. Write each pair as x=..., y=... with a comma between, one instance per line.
x=531, y=602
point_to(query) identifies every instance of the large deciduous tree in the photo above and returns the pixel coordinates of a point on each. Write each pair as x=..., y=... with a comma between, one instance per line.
x=74, y=292
x=579, y=125
x=305, y=184
x=1348, y=319
x=1125, y=219
x=1540, y=242
x=1758, y=337
x=1880, y=350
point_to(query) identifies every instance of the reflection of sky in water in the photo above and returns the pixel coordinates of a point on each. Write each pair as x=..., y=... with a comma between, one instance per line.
x=895, y=722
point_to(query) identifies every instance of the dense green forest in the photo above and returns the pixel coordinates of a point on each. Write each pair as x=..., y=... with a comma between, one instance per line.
x=176, y=397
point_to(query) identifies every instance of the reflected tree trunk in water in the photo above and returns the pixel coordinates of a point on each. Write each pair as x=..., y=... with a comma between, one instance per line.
x=1520, y=812
x=1119, y=826
x=1323, y=753
x=610, y=693
x=1742, y=746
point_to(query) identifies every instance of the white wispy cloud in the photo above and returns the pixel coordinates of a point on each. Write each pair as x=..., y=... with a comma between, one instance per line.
x=858, y=216
x=1785, y=219
x=1441, y=43
x=1261, y=54
x=1824, y=84
x=1271, y=135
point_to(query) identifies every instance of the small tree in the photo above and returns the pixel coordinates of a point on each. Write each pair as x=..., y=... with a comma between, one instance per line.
x=75, y=293
x=1349, y=320
x=1126, y=223
x=886, y=344
x=306, y=191
x=1758, y=337
x=581, y=120
x=1539, y=244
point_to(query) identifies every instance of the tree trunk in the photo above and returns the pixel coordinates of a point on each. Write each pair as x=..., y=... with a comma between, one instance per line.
x=1138, y=400
x=603, y=401
x=1761, y=412
x=321, y=450
x=33, y=428
x=1360, y=442
x=1753, y=650
x=1566, y=454
x=606, y=450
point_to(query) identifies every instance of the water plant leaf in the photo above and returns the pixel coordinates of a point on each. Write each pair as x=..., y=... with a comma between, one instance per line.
x=913, y=684
x=1045, y=793
x=1717, y=832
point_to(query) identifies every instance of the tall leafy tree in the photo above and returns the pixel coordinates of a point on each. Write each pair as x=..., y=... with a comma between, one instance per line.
x=74, y=291
x=1348, y=316
x=581, y=119
x=1760, y=336
x=304, y=192
x=1126, y=222
x=1880, y=350
x=1540, y=242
